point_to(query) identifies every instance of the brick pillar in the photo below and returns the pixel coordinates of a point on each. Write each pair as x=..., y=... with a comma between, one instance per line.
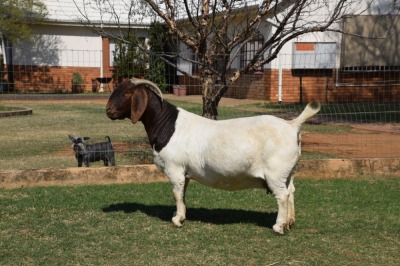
x=107, y=73
x=106, y=56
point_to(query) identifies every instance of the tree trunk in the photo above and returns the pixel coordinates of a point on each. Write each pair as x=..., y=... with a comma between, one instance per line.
x=210, y=106
x=212, y=92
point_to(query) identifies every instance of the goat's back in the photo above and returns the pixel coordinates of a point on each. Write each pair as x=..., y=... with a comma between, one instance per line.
x=214, y=152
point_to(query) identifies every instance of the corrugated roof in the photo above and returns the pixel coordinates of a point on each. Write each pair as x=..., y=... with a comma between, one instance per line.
x=110, y=12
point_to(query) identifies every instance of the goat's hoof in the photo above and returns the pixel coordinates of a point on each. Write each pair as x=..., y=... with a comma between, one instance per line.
x=290, y=224
x=177, y=221
x=278, y=229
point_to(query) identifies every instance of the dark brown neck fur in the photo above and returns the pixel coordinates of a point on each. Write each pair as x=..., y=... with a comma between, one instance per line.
x=159, y=121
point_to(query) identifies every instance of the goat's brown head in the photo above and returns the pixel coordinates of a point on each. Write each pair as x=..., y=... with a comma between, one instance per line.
x=130, y=99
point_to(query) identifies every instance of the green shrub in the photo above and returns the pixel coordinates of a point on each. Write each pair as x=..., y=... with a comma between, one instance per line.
x=77, y=78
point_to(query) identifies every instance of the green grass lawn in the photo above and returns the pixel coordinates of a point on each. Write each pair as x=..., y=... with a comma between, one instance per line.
x=339, y=222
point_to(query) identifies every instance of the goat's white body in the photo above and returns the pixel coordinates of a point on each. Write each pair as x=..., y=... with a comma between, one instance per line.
x=253, y=152
x=231, y=154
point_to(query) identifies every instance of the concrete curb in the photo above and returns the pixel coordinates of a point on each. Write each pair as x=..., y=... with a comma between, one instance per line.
x=81, y=176
x=16, y=111
x=326, y=168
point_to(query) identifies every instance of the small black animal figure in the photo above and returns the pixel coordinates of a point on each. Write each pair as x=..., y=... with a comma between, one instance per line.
x=87, y=153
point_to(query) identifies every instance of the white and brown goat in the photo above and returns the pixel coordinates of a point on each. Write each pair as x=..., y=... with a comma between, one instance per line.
x=254, y=152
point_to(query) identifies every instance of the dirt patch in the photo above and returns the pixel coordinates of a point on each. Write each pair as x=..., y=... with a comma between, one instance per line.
x=369, y=140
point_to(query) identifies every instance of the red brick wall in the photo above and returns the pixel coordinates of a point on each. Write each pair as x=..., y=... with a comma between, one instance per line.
x=48, y=79
x=192, y=85
x=250, y=86
x=313, y=87
x=51, y=79
x=382, y=86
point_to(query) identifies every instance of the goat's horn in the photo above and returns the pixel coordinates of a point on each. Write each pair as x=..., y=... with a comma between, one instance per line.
x=156, y=90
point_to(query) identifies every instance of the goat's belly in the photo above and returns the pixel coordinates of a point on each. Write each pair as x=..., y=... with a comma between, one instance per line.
x=231, y=183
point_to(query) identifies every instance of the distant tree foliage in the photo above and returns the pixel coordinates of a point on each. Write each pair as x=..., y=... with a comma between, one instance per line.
x=157, y=67
x=16, y=15
x=129, y=61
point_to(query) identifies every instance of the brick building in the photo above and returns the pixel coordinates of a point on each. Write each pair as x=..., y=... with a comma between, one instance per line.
x=63, y=45
x=326, y=67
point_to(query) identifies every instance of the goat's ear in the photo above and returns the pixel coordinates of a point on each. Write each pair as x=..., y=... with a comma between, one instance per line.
x=70, y=137
x=138, y=104
x=86, y=138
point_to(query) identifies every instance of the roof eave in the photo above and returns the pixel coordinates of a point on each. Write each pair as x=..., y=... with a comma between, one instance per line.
x=55, y=22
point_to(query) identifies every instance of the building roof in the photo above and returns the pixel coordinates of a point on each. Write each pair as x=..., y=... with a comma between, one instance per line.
x=135, y=13
x=97, y=12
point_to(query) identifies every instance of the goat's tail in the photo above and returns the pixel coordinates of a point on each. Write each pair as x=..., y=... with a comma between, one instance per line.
x=107, y=137
x=311, y=109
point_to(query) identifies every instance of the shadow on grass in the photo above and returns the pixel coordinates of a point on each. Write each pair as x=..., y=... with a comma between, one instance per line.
x=214, y=216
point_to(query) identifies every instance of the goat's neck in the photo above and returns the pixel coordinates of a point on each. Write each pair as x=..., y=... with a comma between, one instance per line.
x=159, y=121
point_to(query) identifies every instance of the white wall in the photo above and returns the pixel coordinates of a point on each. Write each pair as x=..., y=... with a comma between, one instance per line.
x=284, y=59
x=60, y=46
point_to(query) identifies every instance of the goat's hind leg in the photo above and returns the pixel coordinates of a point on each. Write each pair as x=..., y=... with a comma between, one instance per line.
x=282, y=196
x=179, y=190
x=283, y=189
x=291, y=212
x=112, y=160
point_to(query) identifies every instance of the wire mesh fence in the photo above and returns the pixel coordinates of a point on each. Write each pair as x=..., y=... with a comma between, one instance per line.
x=359, y=118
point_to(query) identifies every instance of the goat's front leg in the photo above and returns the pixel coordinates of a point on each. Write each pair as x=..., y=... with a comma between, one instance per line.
x=86, y=160
x=80, y=161
x=179, y=189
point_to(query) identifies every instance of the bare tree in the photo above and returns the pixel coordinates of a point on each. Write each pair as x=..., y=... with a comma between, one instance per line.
x=216, y=30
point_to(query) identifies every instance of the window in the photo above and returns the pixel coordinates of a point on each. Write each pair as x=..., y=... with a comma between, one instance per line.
x=195, y=66
x=112, y=51
x=314, y=55
x=250, y=48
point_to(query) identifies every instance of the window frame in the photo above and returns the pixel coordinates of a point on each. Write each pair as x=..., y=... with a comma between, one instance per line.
x=250, y=48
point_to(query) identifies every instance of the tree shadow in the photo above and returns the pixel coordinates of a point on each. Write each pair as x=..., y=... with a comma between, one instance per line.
x=213, y=216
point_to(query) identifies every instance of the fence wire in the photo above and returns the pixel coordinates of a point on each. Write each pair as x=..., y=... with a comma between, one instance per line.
x=360, y=113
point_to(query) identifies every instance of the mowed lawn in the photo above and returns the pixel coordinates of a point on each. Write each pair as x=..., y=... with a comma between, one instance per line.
x=339, y=222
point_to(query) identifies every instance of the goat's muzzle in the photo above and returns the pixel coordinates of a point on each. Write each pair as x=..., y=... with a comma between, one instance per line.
x=111, y=113
x=114, y=114
x=78, y=148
